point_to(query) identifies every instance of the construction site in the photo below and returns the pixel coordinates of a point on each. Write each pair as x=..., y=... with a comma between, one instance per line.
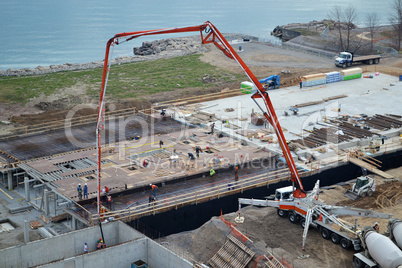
x=198, y=181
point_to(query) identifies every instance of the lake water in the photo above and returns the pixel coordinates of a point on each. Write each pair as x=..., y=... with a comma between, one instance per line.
x=46, y=32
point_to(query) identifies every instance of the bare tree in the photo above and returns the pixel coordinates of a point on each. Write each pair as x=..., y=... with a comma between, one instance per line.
x=336, y=16
x=344, y=19
x=349, y=18
x=396, y=21
x=372, y=22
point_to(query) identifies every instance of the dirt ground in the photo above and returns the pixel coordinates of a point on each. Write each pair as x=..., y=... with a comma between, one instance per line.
x=386, y=199
x=262, y=59
x=271, y=233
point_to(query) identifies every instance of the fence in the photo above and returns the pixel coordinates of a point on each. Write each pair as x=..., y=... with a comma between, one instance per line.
x=381, y=69
x=383, y=50
x=298, y=48
x=198, y=196
x=386, y=51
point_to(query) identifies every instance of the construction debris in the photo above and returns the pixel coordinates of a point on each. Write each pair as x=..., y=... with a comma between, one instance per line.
x=232, y=254
x=35, y=224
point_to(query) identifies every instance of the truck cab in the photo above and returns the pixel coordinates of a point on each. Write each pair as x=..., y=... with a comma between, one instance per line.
x=344, y=59
x=284, y=193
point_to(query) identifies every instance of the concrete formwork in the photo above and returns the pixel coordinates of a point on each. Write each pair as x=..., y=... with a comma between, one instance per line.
x=65, y=246
x=124, y=255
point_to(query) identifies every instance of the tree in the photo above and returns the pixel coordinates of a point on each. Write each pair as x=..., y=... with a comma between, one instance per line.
x=349, y=18
x=396, y=21
x=372, y=22
x=336, y=16
x=345, y=19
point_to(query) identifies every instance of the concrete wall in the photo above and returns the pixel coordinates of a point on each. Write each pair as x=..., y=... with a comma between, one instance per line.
x=66, y=245
x=127, y=233
x=116, y=256
x=123, y=255
x=159, y=256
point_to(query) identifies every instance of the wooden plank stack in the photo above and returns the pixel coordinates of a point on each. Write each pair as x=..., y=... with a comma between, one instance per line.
x=314, y=79
x=35, y=224
x=351, y=73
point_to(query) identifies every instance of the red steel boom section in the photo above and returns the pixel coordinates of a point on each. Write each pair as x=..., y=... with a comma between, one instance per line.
x=209, y=34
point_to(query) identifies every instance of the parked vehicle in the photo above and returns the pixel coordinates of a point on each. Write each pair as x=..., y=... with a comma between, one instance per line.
x=364, y=186
x=379, y=251
x=346, y=59
x=311, y=212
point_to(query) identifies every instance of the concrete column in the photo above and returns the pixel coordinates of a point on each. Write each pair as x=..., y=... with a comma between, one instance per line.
x=73, y=223
x=46, y=201
x=26, y=231
x=27, y=190
x=10, y=179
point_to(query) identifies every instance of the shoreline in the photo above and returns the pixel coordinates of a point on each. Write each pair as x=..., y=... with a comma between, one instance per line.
x=158, y=49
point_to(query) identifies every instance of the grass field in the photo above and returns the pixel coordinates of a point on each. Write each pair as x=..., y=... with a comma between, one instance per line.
x=130, y=80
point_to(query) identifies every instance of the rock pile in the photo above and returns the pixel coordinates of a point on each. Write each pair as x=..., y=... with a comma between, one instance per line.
x=315, y=25
x=176, y=46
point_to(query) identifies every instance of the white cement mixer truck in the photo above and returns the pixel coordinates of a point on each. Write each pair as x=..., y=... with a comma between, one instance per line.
x=380, y=251
x=395, y=231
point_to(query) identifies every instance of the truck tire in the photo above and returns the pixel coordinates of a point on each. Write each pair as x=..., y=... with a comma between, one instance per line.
x=363, y=193
x=303, y=222
x=376, y=61
x=344, y=65
x=282, y=213
x=293, y=218
x=335, y=238
x=369, y=192
x=357, y=263
x=325, y=233
x=370, y=62
x=345, y=243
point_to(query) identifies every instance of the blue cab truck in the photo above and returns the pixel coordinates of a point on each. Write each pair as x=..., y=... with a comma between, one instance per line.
x=346, y=59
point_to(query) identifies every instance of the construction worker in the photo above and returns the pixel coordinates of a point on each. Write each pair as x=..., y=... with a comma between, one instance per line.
x=197, y=151
x=191, y=156
x=109, y=201
x=301, y=82
x=85, y=191
x=237, y=173
x=211, y=172
x=79, y=190
x=376, y=227
x=99, y=243
x=212, y=128
x=151, y=199
x=160, y=144
x=86, y=247
x=145, y=163
x=154, y=188
x=102, y=211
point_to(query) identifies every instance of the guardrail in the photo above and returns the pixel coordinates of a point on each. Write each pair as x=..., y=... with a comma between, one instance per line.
x=298, y=48
x=192, y=100
x=198, y=196
x=391, y=52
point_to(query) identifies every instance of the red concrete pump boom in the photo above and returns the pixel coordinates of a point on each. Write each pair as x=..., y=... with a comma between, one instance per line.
x=209, y=34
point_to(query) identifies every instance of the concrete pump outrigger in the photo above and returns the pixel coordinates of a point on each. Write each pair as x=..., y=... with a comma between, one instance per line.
x=209, y=34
